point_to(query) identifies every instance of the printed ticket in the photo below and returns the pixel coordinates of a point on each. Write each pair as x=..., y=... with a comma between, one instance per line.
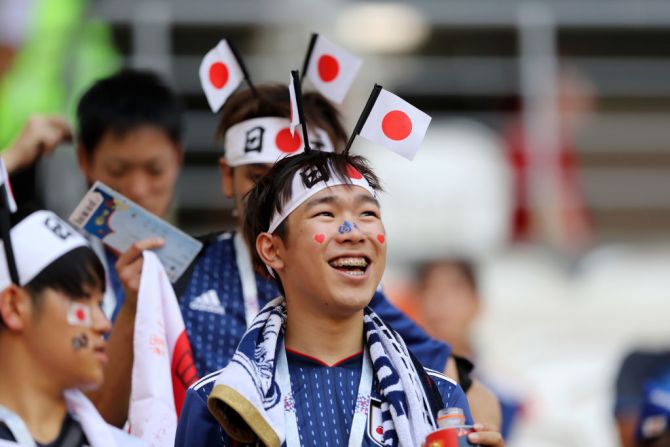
x=119, y=222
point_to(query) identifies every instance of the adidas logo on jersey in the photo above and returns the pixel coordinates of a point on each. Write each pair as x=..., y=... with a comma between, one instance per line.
x=208, y=302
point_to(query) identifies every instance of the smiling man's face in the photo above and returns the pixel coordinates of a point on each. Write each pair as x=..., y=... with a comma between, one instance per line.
x=334, y=254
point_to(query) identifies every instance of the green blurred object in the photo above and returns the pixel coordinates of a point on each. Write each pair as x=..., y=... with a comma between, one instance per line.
x=63, y=54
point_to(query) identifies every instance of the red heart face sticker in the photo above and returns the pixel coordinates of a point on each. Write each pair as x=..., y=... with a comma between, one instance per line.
x=320, y=238
x=381, y=238
x=380, y=430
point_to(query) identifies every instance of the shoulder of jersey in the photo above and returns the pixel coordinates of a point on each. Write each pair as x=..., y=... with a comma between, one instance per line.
x=225, y=235
x=206, y=383
x=440, y=376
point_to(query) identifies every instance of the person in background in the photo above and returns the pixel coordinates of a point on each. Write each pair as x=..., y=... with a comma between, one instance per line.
x=448, y=305
x=637, y=369
x=52, y=328
x=40, y=135
x=129, y=137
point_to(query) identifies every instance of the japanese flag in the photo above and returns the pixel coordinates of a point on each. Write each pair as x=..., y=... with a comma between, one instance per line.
x=332, y=69
x=4, y=180
x=295, y=116
x=396, y=124
x=220, y=74
x=163, y=366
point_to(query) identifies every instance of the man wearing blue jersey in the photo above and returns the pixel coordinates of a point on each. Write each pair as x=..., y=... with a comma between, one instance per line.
x=220, y=294
x=319, y=367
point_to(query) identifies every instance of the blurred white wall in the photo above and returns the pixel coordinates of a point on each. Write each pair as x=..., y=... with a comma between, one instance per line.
x=453, y=197
x=555, y=337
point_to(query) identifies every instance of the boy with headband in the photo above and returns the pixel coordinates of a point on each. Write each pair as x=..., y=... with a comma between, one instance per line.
x=317, y=366
x=221, y=294
x=52, y=332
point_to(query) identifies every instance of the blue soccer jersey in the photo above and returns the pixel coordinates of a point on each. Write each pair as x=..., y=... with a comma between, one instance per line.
x=325, y=399
x=212, y=305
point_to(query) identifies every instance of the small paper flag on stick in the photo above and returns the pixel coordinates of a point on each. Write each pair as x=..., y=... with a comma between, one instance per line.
x=295, y=116
x=295, y=93
x=220, y=74
x=392, y=122
x=331, y=68
x=7, y=207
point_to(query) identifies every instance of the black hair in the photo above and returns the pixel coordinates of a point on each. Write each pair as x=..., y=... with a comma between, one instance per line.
x=75, y=274
x=274, y=190
x=463, y=265
x=124, y=102
x=274, y=100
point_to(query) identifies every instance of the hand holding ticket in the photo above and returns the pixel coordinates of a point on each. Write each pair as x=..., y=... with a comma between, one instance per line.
x=119, y=222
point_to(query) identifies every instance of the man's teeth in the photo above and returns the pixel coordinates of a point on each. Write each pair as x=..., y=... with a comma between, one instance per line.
x=349, y=262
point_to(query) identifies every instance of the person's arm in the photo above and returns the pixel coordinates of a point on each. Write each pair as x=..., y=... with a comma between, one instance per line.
x=112, y=398
x=484, y=405
x=40, y=136
x=485, y=434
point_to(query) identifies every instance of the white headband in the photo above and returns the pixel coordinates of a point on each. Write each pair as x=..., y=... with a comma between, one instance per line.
x=268, y=139
x=37, y=241
x=309, y=181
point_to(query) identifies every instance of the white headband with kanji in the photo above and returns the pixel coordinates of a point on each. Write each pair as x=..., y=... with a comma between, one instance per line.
x=267, y=139
x=37, y=241
x=309, y=181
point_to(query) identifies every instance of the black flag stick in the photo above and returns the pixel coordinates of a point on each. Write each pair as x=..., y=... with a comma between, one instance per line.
x=310, y=49
x=364, y=116
x=5, y=227
x=295, y=78
x=243, y=67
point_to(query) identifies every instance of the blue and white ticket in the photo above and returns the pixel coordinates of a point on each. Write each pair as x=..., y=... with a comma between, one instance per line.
x=119, y=222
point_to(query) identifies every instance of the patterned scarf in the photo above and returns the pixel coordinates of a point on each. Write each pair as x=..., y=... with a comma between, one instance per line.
x=247, y=388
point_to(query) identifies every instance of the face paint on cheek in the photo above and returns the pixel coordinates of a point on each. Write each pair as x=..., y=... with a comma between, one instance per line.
x=80, y=342
x=319, y=238
x=79, y=314
x=381, y=238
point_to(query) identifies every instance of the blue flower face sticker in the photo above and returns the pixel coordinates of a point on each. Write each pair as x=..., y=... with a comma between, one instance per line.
x=346, y=227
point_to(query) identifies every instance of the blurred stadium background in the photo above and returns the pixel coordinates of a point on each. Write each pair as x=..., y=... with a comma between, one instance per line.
x=589, y=78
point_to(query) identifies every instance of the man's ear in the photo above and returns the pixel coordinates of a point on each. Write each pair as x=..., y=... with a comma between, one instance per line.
x=226, y=178
x=269, y=250
x=85, y=163
x=15, y=308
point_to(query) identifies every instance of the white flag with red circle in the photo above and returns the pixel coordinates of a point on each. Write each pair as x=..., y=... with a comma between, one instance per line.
x=220, y=75
x=163, y=365
x=332, y=69
x=295, y=115
x=396, y=124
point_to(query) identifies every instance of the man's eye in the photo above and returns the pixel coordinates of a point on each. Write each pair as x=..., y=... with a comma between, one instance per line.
x=324, y=214
x=116, y=173
x=370, y=213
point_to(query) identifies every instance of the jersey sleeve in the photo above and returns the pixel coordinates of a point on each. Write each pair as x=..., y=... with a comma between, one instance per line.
x=431, y=353
x=197, y=427
x=452, y=394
